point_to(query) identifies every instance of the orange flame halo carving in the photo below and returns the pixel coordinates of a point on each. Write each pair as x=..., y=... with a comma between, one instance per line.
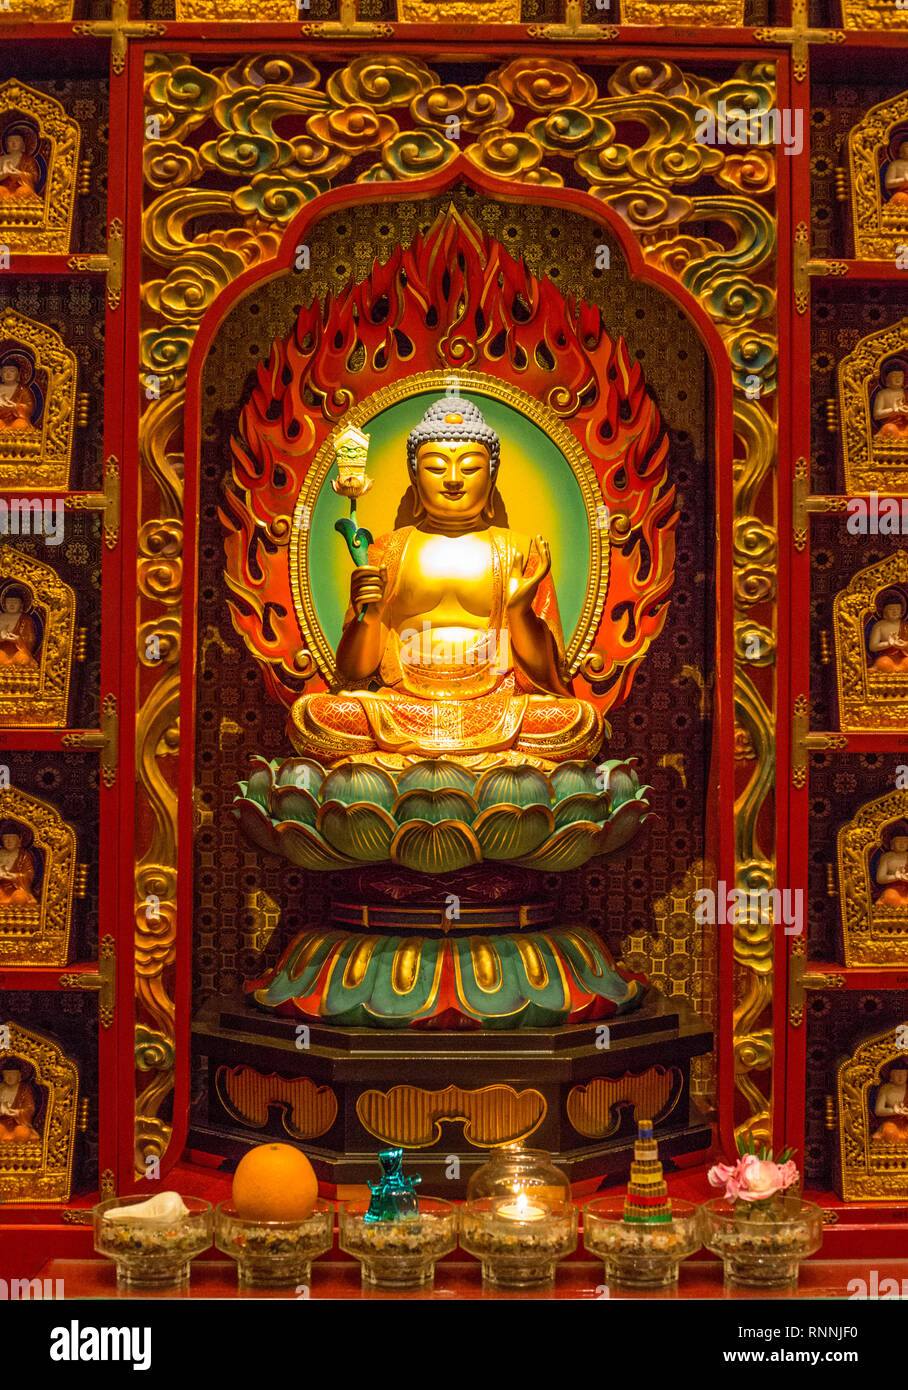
x=454, y=300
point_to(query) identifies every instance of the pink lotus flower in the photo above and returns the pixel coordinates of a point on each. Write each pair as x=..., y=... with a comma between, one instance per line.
x=725, y=1175
x=753, y=1179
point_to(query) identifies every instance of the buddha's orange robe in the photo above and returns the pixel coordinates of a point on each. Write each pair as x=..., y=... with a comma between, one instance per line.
x=18, y=1129
x=22, y=184
x=17, y=645
x=17, y=411
x=19, y=894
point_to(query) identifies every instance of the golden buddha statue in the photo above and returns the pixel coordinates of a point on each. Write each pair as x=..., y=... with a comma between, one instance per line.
x=452, y=644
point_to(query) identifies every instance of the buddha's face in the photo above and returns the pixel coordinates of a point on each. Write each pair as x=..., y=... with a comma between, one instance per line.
x=895, y=378
x=903, y=150
x=453, y=480
x=14, y=144
x=12, y=1077
x=899, y=1075
x=892, y=612
x=13, y=841
x=900, y=843
x=9, y=375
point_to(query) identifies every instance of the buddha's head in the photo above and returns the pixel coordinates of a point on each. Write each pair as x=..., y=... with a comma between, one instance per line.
x=453, y=455
x=12, y=603
x=900, y=843
x=895, y=377
x=9, y=374
x=12, y=841
x=12, y=1076
x=898, y=1073
x=893, y=609
x=14, y=143
x=903, y=149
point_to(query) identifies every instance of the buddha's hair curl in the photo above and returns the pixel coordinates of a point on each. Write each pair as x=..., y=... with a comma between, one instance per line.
x=435, y=428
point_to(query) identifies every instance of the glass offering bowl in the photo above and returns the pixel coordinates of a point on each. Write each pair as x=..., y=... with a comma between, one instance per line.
x=517, y=1250
x=761, y=1249
x=518, y=1219
x=274, y=1254
x=639, y=1256
x=151, y=1253
x=399, y=1254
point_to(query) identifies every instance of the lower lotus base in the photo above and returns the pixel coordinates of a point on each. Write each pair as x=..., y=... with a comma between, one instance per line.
x=531, y=979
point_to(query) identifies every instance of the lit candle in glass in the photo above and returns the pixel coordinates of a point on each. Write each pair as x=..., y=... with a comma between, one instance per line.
x=520, y=1208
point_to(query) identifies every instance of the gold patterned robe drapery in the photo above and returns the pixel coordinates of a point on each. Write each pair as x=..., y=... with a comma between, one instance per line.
x=428, y=707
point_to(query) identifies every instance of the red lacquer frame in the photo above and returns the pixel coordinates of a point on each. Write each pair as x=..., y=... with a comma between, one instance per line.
x=119, y=566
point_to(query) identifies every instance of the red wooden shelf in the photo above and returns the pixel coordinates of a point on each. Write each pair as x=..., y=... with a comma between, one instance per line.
x=870, y=977
x=43, y=740
x=865, y=743
x=42, y=976
x=49, y=265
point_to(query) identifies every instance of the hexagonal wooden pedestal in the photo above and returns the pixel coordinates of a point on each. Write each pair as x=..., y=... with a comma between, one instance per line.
x=447, y=1097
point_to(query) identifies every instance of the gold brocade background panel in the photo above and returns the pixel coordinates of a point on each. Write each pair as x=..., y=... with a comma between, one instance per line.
x=640, y=902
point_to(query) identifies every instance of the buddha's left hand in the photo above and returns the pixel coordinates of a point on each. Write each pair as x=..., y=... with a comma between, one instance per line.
x=525, y=593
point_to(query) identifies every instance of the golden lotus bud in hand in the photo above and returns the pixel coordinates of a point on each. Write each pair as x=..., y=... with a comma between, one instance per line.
x=352, y=451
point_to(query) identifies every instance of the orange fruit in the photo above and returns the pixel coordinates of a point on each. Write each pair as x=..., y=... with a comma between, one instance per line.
x=274, y=1182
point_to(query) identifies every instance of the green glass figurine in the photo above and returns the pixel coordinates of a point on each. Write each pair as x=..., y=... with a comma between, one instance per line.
x=394, y=1198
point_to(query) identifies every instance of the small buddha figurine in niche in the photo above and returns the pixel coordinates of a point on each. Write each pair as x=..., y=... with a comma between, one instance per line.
x=888, y=639
x=891, y=1105
x=17, y=866
x=19, y=633
x=455, y=619
x=892, y=874
x=890, y=404
x=20, y=172
x=895, y=179
x=18, y=1103
x=19, y=406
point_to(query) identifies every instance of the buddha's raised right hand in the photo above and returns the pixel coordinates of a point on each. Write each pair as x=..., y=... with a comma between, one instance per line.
x=367, y=585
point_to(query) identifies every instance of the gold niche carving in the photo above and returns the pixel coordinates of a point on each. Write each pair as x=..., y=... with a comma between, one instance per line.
x=37, y=12
x=39, y=155
x=39, y=1168
x=699, y=12
x=37, y=397
x=870, y=698
x=591, y=1109
x=36, y=649
x=876, y=450
x=307, y=1110
x=412, y=1118
x=458, y=11
x=880, y=222
x=874, y=925
x=262, y=11
x=874, y=14
x=36, y=881
x=871, y=1166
